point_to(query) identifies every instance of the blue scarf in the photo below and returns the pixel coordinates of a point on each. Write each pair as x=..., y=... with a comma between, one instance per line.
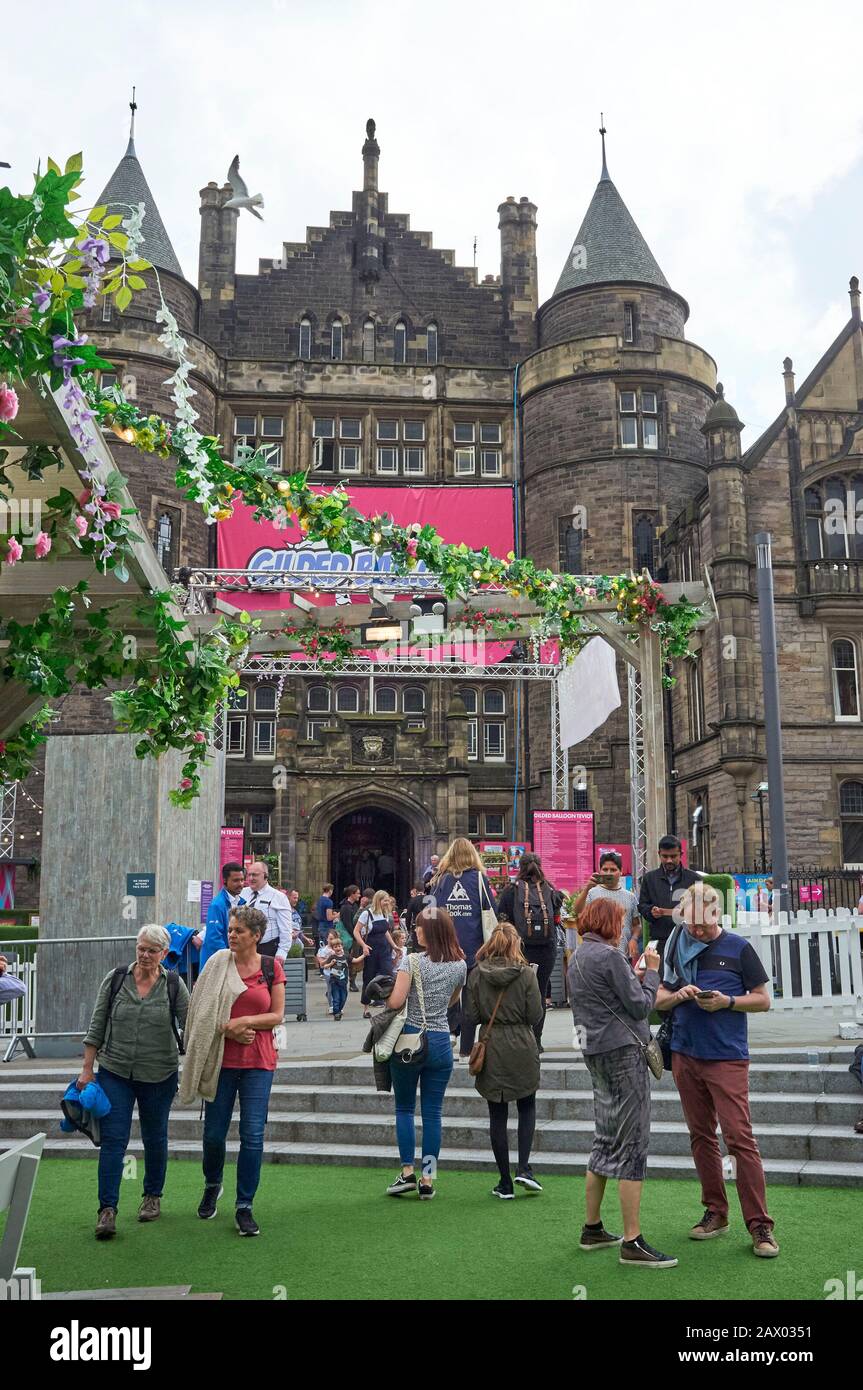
x=686, y=952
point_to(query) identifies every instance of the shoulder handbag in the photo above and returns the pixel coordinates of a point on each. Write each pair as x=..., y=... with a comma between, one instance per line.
x=477, y=1052
x=488, y=914
x=411, y=1049
x=650, y=1051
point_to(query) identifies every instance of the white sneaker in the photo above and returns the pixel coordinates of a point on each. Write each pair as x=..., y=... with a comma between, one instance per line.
x=463, y=1060
x=453, y=1037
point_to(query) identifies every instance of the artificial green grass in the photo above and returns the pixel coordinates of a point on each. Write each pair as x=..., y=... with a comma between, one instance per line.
x=332, y=1233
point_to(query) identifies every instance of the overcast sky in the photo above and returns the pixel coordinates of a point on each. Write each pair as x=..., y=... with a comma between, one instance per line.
x=735, y=135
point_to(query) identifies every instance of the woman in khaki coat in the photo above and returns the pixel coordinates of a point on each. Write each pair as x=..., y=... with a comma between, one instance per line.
x=511, y=1070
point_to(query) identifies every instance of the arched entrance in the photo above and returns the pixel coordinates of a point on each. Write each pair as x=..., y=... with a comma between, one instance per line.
x=402, y=823
x=374, y=848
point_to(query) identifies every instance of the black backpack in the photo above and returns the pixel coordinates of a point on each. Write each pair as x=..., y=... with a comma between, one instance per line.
x=116, y=985
x=533, y=910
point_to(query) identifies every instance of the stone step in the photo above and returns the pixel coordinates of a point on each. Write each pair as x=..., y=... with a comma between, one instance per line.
x=792, y=1172
x=791, y=1075
x=462, y=1100
x=570, y=1135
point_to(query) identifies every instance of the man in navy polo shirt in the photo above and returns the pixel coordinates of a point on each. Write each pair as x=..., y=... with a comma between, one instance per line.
x=711, y=980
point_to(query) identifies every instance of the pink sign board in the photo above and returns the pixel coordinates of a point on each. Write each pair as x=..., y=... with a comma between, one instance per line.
x=478, y=516
x=811, y=893
x=564, y=842
x=230, y=847
x=625, y=852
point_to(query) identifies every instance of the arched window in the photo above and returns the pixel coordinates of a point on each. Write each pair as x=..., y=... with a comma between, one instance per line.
x=336, y=340
x=570, y=537
x=414, y=700
x=695, y=694
x=265, y=697
x=400, y=343
x=814, y=523
x=369, y=340
x=431, y=344
x=347, y=699
x=469, y=700
x=305, y=339
x=643, y=537
x=835, y=512
x=319, y=699
x=851, y=822
x=386, y=700
x=846, y=698
x=493, y=702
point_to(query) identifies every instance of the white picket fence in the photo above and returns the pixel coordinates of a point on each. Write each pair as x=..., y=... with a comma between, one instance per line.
x=804, y=953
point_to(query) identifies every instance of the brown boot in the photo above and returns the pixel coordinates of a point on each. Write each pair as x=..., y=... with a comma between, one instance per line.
x=106, y=1225
x=150, y=1209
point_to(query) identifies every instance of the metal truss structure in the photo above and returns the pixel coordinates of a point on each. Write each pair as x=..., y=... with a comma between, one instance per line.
x=8, y=798
x=383, y=588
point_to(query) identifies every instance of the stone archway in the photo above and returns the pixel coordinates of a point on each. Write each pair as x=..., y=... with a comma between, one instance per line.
x=369, y=798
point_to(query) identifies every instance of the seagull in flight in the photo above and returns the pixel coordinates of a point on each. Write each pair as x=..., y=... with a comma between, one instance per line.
x=241, y=198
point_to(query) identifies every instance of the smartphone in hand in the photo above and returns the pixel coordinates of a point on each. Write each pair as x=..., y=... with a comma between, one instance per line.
x=640, y=963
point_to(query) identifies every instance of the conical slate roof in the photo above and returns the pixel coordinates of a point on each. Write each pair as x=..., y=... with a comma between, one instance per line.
x=128, y=185
x=609, y=245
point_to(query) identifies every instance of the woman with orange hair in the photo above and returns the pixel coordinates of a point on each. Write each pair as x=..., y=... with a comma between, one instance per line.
x=611, y=1003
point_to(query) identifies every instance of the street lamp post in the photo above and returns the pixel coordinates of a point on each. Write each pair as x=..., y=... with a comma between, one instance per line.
x=772, y=722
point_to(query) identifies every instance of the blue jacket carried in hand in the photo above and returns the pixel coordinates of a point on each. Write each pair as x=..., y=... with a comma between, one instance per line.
x=82, y=1110
x=216, y=937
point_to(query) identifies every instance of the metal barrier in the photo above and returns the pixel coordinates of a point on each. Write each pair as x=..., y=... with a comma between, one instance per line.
x=813, y=959
x=18, y=1016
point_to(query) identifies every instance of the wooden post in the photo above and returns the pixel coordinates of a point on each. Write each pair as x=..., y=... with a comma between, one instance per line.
x=655, y=799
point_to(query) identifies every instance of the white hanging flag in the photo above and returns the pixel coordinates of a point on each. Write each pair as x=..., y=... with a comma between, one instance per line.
x=587, y=691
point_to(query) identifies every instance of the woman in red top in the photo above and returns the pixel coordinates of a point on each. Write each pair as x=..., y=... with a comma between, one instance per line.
x=247, y=1070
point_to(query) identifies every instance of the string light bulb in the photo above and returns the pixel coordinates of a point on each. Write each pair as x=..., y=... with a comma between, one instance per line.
x=128, y=435
x=477, y=574
x=376, y=537
x=283, y=487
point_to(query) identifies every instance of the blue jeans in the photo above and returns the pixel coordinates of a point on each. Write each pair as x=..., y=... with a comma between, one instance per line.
x=252, y=1084
x=154, y=1099
x=433, y=1077
x=339, y=990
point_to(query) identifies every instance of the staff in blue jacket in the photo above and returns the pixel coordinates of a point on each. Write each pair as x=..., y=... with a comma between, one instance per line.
x=215, y=936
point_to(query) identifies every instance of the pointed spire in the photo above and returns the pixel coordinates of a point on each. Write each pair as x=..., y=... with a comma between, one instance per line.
x=133, y=106
x=603, y=132
x=127, y=187
x=609, y=246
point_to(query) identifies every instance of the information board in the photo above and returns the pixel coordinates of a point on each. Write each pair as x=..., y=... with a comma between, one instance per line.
x=564, y=842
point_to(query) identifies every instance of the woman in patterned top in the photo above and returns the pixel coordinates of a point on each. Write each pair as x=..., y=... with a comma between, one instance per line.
x=442, y=971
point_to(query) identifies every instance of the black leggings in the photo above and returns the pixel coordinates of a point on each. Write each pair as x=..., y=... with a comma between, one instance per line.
x=498, y=1114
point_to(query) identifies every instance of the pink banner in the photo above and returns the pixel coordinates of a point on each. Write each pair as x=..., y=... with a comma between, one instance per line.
x=478, y=516
x=564, y=842
x=625, y=852
x=7, y=886
x=230, y=848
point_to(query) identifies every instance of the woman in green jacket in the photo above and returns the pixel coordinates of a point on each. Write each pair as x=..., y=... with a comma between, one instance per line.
x=133, y=1036
x=503, y=979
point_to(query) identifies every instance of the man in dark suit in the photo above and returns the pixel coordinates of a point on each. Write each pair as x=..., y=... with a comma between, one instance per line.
x=661, y=890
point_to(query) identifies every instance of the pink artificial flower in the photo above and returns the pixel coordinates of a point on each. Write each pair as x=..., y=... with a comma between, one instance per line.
x=84, y=497
x=23, y=316
x=14, y=553
x=111, y=510
x=8, y=402
x=199, y=738
x=80, y=523
x=186, y=784
x=43, y=545
x=412, y=547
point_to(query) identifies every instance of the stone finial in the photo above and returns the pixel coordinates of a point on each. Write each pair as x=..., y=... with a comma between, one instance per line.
x=854, y=294
x=788, y=377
